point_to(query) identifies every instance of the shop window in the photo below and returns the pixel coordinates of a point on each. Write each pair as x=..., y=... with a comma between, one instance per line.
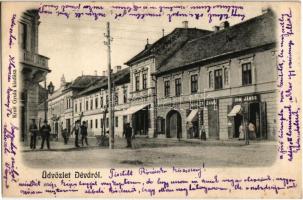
x=144, y=81
x=194, y=83
x=167, y=88
x=218, y=79
x=226, y=76
x=246, y=74
x=210, y=79
x=137, y=82
x=178, y=86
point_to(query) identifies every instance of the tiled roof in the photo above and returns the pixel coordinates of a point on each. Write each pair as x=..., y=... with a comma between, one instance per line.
x=120, y=77
x=84, y=81
x=255, y=32
x=167, y=45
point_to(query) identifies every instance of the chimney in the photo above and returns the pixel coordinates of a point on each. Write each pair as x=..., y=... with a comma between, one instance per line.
x=103, y=73
x=185, y=24
x=216, y=28
x=96, y=73
x=224, y=25
x=118, y=68
x=265, y=10
x=147, y=44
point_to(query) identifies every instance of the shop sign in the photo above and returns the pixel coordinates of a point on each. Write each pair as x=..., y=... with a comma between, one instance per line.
x=200, y=104
x=248, y=98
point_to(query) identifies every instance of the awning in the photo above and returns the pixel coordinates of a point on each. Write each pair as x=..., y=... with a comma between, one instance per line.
x=134, y=109
x=192, y=116
x=236, y=109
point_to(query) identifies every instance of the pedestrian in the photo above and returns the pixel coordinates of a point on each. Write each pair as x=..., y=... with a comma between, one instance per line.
x=64, y=133
x=252, y=131
x=33, y=129
x=241, y=132
x=45, y=132
x=128, y=135
x=202, y=133
x=76, y=129
x=84, y=133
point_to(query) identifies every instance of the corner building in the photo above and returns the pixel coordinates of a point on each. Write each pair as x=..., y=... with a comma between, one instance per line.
x=216, y=80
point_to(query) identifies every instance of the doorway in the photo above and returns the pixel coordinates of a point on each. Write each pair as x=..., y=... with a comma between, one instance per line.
x=141, y=122
x=238, y=121
x=254, y=117
x=173, y=124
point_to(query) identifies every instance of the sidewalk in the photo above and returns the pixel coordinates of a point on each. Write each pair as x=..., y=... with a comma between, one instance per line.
x=140, y=142
x=60, y=146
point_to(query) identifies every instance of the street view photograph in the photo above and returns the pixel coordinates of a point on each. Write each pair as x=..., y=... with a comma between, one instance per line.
x=130, y=93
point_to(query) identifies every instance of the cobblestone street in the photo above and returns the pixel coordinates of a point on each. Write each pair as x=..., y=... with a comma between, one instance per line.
x=154, y=152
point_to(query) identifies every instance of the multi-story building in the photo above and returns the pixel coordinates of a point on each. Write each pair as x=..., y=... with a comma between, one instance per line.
x=92, y=104
x=60, y=103
x=143, y=92
x=220, y=80
x=33, y=69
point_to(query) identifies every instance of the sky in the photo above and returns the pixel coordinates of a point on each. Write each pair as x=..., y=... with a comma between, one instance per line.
x=76, y=46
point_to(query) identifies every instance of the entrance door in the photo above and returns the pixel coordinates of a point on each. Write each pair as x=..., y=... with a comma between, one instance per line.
x=254, y=117
x=238, y=121
x=141, y=122
x=173, y=125
x=213, y=122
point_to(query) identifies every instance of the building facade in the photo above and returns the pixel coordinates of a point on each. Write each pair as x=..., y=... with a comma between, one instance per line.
x=92, y=104
x=33, y=69
x=60, y=103
x=143, y=66
x=220, y=81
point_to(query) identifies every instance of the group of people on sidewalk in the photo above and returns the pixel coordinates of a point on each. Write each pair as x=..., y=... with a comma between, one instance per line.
x=78, y=129
x=249, y=128
x=44, y=131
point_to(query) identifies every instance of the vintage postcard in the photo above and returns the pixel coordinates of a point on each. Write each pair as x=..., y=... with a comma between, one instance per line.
x=151, y=99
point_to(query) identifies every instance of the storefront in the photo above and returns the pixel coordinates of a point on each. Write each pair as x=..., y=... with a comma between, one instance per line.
x=244, y=110
x=195, y=118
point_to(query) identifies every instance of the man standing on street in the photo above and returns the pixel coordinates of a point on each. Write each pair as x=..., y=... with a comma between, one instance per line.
x=76, y=129
x=45, y=132
x=84, y=133
x=33, y=133
x=128, y=135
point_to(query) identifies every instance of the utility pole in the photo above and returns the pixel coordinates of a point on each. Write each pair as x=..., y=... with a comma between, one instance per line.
x=110, y=103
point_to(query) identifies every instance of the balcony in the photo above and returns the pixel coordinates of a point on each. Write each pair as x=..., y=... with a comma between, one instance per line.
x=34, y=59
x=35, y=66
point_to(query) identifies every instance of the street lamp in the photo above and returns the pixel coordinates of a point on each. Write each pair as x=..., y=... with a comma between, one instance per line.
x=50, y=90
